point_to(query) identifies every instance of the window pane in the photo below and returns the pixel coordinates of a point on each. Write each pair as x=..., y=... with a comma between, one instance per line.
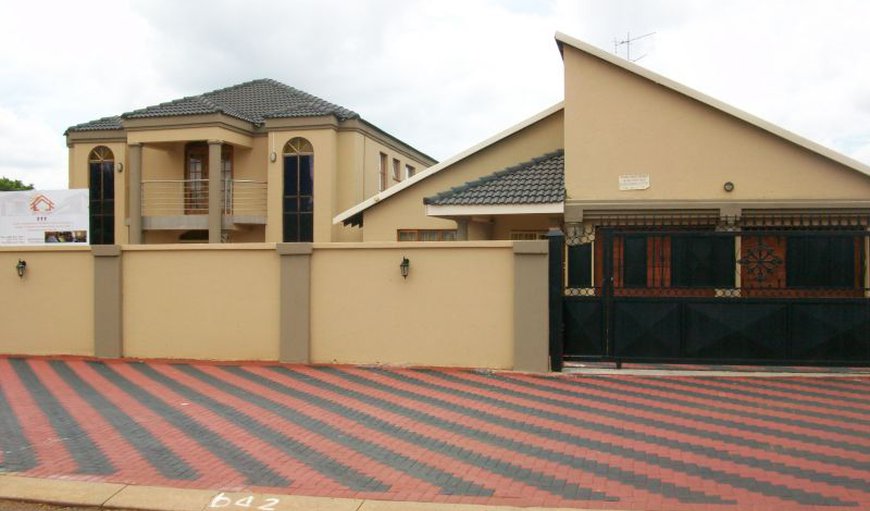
x=306, y=227
x=291, y=205
x=306, y=175
x=291, y=227
x=306, y=204
x=429, y=236
x=702, y=261
x=291, y=175
x=407, y=235
x=634, y=261
x=820, y=261
x=580, y=265
x=108, y=178
x=448, y=235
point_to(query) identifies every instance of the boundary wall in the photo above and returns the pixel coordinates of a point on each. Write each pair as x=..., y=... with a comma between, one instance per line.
x=463, y=304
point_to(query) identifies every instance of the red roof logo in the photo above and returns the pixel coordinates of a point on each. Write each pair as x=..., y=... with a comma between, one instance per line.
x=41, y=204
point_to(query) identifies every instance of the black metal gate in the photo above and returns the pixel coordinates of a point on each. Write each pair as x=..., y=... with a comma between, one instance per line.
x=736, y=291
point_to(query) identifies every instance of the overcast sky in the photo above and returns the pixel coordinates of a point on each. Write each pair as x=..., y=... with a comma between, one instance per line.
x=442, y=75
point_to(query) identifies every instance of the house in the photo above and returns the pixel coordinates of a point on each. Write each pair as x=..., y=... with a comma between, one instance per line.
x=690, y=230
x=255, y=162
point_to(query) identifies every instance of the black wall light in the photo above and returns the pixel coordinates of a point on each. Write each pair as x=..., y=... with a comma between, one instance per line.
x=405, y=267
x=21, y=267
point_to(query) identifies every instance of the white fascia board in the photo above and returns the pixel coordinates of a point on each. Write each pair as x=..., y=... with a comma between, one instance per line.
x=362, y=206
x=498, y=209
x=713, y=102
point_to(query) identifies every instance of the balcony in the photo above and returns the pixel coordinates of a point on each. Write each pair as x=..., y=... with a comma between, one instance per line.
x=183, y=204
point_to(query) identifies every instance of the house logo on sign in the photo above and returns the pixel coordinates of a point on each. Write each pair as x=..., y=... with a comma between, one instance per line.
x=41, y=204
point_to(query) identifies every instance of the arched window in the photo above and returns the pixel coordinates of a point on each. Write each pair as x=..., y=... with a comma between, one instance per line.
x=298, y=193
x=101, y=182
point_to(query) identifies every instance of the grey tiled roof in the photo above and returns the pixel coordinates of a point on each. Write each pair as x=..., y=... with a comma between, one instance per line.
x=538, y=181
x=252, y=101
x=106, y=123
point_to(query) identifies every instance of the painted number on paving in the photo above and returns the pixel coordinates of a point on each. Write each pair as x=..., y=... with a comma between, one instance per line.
x=221, y=500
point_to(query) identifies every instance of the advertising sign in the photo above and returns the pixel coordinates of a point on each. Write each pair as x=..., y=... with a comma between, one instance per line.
x=39, y=217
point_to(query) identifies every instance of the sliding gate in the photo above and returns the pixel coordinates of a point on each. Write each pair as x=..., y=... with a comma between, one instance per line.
x=733, y=293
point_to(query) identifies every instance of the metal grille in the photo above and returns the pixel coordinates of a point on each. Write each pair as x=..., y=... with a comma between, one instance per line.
x=693, y=287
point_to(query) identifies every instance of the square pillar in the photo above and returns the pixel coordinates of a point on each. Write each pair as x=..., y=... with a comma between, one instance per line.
x=108, y=302
x=215, y=204
x=295, y=302
x=531, y=306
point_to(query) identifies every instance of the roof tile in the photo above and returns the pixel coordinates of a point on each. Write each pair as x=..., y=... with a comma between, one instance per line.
x=537, y=181
x=253, y=101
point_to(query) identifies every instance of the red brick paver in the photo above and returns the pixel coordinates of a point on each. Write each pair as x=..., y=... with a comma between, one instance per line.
x=607, y=441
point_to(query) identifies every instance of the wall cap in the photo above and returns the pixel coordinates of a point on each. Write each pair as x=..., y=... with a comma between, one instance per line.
x=106, y=250
x=294, y=248
x=540, y=247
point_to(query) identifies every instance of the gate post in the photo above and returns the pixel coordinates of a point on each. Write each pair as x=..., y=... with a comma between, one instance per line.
x=556, y=274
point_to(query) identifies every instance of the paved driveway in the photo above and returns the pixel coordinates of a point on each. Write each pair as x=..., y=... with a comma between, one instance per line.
x=605, y=441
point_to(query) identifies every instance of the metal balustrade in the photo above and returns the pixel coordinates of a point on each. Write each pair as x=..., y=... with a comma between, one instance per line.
x=177, y=197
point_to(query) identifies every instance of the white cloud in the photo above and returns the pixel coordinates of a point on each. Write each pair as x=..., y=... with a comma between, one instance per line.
x=441, y=75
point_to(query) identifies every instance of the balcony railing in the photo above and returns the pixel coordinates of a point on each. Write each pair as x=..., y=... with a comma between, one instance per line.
x=177, y=197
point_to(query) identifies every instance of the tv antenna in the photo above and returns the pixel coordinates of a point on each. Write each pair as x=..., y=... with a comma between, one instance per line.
x=627, y=43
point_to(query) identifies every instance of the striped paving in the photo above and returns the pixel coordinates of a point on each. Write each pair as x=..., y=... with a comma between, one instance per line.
x=626, y=442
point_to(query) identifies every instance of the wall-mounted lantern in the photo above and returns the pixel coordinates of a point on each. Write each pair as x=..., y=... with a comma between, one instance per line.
x=728, y=186
x=273, y=156
x=21, y=267
x=405, y=267
x=119, y=167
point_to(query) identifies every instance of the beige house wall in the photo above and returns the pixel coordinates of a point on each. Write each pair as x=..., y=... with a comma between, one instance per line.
x=50, y=310
x=201, y=302
x=454, y=309
x=324, y=142
x=189, y=134
x=405, y=210
x=619, y=123
x=78, y=177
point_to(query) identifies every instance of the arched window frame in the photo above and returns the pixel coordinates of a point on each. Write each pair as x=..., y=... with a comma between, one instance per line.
x=101, y=184
x=298, y=191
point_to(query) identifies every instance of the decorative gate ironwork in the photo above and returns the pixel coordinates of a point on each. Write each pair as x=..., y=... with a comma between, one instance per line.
x=703, y=289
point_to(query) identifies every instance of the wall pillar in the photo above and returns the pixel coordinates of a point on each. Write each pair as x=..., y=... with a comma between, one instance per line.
x=135, y=183
x=108, y=301
x=295, y=302
x=531, y=306
x=215, y=202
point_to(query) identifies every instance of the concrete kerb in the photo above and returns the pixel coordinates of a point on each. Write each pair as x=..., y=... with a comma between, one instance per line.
x=153, y=498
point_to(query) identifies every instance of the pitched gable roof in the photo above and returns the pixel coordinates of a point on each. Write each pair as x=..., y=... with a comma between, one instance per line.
x=537, y=181
x=106, y=123
x=253, y=101
x=563, y=40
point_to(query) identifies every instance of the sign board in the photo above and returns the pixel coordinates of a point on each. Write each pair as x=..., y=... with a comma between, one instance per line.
x=40, y=217
x=634, y=182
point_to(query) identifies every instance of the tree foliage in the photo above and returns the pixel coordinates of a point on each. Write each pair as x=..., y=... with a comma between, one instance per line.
x=11, y=185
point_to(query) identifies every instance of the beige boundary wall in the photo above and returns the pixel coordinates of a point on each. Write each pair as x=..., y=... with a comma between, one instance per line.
x=468, y=304
x=49, y=310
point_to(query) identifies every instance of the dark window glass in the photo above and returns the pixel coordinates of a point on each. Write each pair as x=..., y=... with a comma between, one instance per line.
x=580, y=265
x=820, y=261
x=306, y=178
x=291, y=175
x=101, y=187
x=702, y=261
x=306, y=227
x=634, y=261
